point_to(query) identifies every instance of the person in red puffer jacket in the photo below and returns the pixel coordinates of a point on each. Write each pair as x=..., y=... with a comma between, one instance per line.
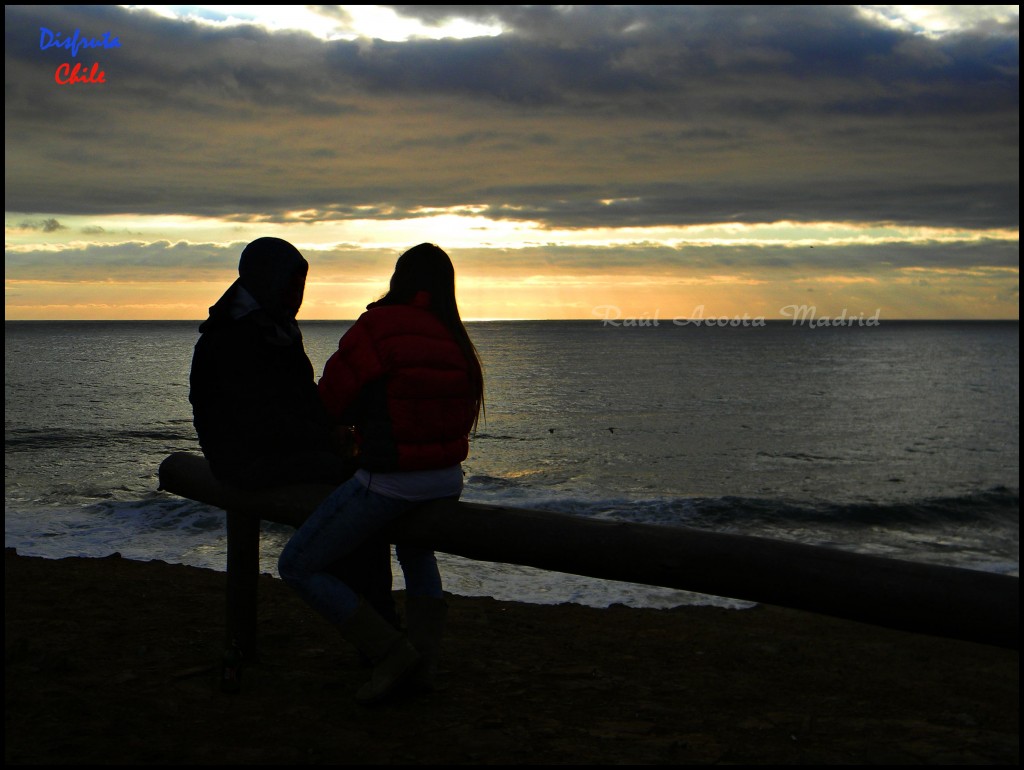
x=403, y=380
x=408, y=378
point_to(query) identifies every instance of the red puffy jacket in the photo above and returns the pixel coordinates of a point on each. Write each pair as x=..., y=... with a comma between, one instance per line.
x=400, y=377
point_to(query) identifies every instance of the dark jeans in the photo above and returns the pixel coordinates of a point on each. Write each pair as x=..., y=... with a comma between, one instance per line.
x=367, y=568
x=336, y=531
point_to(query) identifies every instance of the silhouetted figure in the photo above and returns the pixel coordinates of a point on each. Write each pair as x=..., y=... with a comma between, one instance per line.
x=407, y=376
x=256, y=408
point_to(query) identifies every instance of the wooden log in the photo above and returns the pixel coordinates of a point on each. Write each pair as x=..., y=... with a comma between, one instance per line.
x=925, y=598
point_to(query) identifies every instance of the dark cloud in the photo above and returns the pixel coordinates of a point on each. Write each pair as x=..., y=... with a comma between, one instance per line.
x=677, y=114
x=46, y=225
x=823, y=199
x=765, y=260
x=195, y=262
x=131, y=260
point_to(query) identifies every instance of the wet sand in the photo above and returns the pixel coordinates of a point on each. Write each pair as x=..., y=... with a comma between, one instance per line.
x=110, y=661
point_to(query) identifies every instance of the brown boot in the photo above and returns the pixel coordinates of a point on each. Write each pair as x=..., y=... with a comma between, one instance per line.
x=394, y=659
x=425, y=619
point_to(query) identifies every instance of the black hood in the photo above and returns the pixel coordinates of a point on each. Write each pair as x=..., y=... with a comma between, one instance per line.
x=266, y=273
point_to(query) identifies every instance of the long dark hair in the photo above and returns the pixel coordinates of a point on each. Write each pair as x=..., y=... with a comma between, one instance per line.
x=428, y=268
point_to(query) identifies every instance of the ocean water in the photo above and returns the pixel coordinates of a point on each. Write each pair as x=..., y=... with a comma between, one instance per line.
x=900, y=440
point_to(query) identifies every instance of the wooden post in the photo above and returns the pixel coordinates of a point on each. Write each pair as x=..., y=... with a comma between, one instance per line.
x=243, y=568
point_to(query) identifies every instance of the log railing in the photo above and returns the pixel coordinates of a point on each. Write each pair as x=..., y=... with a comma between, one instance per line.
x=924, y=598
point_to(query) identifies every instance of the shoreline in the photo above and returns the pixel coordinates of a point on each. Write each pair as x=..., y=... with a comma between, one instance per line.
x=115, y=661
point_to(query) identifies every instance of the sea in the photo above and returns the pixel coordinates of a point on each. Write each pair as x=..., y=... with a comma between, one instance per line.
x=898, y=439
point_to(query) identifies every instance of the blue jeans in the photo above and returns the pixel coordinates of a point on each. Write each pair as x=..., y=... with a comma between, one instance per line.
x=342, y=522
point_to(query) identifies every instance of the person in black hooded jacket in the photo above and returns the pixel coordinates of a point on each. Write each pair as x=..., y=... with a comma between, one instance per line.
x=254, y=399
x=255, y=403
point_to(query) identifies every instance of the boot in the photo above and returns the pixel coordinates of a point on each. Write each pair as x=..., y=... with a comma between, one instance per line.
x=394, y=659
x=425, y=619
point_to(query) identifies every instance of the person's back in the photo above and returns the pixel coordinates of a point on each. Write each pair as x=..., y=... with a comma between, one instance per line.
x=402, y=380
x=255, y=404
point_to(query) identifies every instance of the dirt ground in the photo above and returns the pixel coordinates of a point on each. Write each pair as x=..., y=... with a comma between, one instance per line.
x=110, y=661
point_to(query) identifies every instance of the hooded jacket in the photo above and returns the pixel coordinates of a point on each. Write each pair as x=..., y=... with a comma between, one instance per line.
x=252, y=387
x=401, y=379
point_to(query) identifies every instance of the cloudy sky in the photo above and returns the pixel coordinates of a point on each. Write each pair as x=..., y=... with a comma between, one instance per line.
x=576, y=162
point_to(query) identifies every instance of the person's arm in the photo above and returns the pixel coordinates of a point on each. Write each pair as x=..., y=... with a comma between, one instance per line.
x=355, y=363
